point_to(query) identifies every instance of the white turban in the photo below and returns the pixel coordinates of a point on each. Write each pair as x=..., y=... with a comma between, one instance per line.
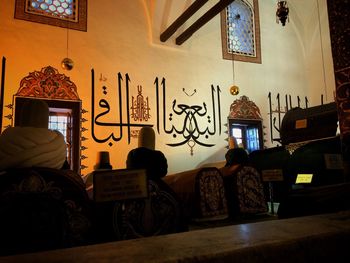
x=28, y=146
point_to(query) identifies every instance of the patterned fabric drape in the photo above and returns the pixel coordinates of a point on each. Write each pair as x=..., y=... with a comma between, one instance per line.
x=338, y=12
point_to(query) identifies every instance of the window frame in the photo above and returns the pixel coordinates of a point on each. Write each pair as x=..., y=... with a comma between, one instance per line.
x=244, y=125
x=230, y=56
x=80, y=24
x=75, y=108
x=69, y=131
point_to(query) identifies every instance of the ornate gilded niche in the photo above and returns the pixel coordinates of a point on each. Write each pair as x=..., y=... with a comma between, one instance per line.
x=61, y=95
x=245, y=125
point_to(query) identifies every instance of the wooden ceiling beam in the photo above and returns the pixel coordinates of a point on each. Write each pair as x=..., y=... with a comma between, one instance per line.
x=193, y=8
x=202, y=21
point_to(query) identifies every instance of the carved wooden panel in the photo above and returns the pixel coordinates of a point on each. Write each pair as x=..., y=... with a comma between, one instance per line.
x=243, y=108
x=48, y=83
x=338, y=14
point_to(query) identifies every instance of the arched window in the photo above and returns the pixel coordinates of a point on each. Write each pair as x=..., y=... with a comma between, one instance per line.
x=245, y=124
x=240, y=31
x=65, y=112
x=71, y=14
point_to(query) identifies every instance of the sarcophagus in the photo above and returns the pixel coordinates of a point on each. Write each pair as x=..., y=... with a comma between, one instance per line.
x=309, y=124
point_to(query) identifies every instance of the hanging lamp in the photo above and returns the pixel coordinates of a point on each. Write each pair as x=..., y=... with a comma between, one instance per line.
x=234, y=89
x=67, y=63
x=282, y=12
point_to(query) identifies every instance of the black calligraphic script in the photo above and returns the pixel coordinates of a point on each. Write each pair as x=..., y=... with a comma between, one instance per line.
x=105, y=106
x=190, y=131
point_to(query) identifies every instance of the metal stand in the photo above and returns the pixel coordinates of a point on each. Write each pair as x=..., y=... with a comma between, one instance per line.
x=271, y=198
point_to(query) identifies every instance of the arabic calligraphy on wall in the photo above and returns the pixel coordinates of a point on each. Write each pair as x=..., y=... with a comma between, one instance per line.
x=277, y=113
x=191, y=132
x=198, y=122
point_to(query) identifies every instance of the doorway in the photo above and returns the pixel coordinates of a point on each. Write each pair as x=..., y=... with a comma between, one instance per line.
x=64, y=116
x=245, y=125
x=247, y=134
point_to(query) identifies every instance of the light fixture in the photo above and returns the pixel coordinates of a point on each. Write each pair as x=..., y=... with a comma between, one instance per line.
x=282, y=12
x=67, y=63
x=322, y=57
x=234, y=90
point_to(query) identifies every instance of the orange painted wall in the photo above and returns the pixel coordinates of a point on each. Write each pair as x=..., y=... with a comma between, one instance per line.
x=123, y=36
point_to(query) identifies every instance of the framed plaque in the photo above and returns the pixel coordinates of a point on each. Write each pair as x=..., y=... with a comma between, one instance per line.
x=123, y=184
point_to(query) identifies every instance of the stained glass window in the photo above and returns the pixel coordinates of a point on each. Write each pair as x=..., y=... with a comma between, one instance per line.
x=240, y=34
x=65, y=9
x=64, y=13
x=253, y=139
x=59, y=123
x=60, y=120
x=240, y=31
x=237, y=133
x=247, y=136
